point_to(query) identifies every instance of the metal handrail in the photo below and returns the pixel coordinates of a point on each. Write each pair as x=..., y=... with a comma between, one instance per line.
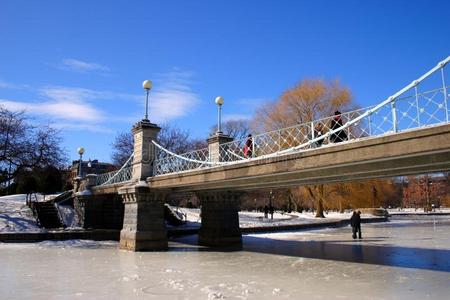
x=289, y=139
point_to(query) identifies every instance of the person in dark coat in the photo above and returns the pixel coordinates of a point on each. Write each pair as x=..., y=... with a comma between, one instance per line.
x=271, y=211
x=336, y=122
x=248, y=149
x=358, y=227
x=318, y=132
x=355, y=222
x=266, y=211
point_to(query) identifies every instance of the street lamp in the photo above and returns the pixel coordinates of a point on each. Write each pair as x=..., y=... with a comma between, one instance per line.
x=147, y=85
x=80, y=151
x=374, y=196
x=427, y=191
x=219, y=102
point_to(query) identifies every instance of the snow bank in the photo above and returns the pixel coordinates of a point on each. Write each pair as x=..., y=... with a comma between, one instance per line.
x=397, y=211
x=15, y=216
x=68, y=216
x=249, y=219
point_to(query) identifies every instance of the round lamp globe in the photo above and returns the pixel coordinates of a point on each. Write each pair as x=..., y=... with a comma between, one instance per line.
x=147, y=84
x=219, y=100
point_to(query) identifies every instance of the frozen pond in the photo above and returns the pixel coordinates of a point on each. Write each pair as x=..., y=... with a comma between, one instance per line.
x=406, y=259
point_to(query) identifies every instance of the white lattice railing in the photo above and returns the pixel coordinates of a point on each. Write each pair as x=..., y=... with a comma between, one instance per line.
x=122, y=175
x=169, y=162
x=420, y=104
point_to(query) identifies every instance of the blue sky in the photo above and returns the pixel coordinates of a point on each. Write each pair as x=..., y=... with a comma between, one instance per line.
x=80, y=64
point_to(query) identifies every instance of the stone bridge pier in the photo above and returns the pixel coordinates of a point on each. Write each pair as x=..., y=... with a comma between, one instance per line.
x=219, y=209
x=220, y=219
x=143, y=223
x=144, y=226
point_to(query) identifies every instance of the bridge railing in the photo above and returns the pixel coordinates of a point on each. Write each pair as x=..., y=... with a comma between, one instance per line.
x=423, y=103
x=122, y=175
x=275, y=141
x=168, y=162
x=408, y=109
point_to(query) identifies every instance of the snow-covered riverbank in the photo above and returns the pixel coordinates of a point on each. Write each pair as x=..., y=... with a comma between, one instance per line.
x=15, y=216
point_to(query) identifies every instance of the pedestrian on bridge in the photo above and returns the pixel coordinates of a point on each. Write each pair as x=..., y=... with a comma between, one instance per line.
x=336, y=123
x=248, y=149
x=318, y=132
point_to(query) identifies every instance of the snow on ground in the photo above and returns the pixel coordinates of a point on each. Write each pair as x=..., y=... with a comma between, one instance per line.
x=15, y=216
x=68, y=216
x=397, y=211
x=249, y=219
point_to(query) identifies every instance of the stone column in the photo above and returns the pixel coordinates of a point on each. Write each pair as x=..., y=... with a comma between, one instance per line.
x=101, y=211
x=214, y=142
x=220, y=220
x=144, y=151
x=76, y=184
x=144, y=227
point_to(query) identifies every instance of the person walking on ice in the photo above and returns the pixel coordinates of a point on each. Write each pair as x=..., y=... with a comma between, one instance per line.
x=355, y=222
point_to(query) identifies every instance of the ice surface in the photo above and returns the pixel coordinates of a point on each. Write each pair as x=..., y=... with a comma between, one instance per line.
x=393, y=261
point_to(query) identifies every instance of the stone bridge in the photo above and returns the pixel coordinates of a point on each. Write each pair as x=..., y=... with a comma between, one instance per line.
x=138, y=201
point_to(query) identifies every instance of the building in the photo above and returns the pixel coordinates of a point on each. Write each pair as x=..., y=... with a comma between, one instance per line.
x=427, y=190
x=90, y=167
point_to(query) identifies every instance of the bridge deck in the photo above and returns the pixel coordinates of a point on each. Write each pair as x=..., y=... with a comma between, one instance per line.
x=416, y=151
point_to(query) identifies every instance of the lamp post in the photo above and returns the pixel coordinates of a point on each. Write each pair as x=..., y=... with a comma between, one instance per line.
x=219, y=102
x=374, y=196
x=147, y=85
x=80, y=151
x=427, y=189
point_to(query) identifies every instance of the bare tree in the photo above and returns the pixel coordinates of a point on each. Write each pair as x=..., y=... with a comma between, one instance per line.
x=25, y=146
x=309, y=100
x=197, y=143
x=235, y=128
x=174, y=139
x=170, y=137
x=122, y=148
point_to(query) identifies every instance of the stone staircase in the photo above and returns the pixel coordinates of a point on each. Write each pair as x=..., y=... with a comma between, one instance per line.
x=46, y=214
x=171, y=216
x=66, y=198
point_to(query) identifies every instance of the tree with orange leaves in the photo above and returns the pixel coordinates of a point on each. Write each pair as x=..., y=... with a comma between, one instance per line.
x=308, y=100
